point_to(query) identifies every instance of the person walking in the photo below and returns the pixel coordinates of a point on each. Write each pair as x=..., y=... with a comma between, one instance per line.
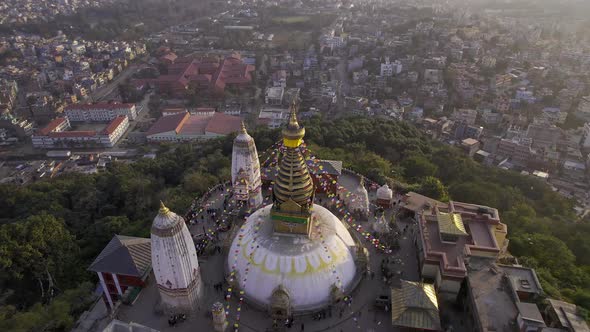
x=302, y=327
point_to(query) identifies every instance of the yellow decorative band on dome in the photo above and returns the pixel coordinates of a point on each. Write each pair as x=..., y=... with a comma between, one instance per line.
x=335, y=258
x=292, y=143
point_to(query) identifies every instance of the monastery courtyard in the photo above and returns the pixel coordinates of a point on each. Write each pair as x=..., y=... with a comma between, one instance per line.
x=360, y=315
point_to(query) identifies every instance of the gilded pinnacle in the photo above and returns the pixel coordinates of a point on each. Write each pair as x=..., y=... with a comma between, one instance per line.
x=163, y=209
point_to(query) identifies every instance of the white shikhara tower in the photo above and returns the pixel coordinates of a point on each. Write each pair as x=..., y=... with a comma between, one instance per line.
x=245, y=170
x=174, y=261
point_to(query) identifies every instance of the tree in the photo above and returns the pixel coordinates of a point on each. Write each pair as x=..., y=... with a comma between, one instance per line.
x=39, y=250
x=417, y=167
x=433, y=188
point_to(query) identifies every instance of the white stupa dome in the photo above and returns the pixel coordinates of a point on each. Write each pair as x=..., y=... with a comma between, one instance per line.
x=384, y=192
x=307, y=268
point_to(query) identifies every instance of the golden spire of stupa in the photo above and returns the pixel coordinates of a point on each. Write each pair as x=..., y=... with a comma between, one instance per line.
x=243, y=128
x=293, y=133
x=163, y=209
x=293, y=188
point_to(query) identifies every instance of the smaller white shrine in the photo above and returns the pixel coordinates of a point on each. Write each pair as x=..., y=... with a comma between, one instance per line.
x=245, y=170
x=175, y=263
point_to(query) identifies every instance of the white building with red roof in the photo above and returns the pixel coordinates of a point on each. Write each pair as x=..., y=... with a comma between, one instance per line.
x=100, y=112
x=188, y=127
x=56, y=134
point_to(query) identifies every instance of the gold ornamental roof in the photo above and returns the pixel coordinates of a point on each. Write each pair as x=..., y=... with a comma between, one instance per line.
x=293, y=183
x=415, y=305
x=293, y=180
x=451, y=223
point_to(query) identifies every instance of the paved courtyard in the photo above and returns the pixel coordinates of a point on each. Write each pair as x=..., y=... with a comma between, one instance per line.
x=360, y=315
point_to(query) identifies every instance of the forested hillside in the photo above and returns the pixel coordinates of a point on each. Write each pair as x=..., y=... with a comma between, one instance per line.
x=51, y=230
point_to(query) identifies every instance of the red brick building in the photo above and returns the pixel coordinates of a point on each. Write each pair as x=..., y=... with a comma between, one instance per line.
x=213, y=74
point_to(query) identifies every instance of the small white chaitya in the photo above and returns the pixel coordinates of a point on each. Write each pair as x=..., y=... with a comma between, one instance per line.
x=245, y=170
x=385, y=196
x=175, y=263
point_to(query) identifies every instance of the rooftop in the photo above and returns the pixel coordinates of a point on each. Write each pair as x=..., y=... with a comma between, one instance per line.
x=522, y=279
x=195, y=125
x=168, y=123
x=415, y=305
x=113, y=125
x=125, y=255
x=98, y=106
x=568, y=316
x=492, y=303
x=51, y=126
x=331, y=167
x=450, y=223
x=530, y=311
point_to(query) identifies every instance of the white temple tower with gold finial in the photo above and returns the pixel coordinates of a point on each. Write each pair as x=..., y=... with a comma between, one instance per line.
x=175, y=263
x=245, y=170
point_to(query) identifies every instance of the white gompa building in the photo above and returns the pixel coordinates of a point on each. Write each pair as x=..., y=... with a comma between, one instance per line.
x=175, y=264
x=245, y=170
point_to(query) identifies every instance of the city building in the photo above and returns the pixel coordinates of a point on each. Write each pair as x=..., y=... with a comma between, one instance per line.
x=274, y=96
x=56, y=134
x=463, y=130
x=273, y=117
x=389, y=69
x=584, y=108
x=123, y=265
x=543, y=135
x=518, y=150
x=100, y=112
x=187, y=127
x=470, y=146
x=465, y=115
x=565, y=316
x=245, y=170
x=175, y=263
x=512, y=290
x=586, y=137
x=211, y=74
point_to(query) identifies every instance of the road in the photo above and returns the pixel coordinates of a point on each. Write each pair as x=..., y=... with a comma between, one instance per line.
x=104, y=91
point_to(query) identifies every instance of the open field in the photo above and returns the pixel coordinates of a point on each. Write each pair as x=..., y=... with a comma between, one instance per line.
x=292, y=39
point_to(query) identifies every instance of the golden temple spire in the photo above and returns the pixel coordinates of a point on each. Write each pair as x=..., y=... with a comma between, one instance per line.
x=243, y=128
x=293, y=190
x=293, y=133
x=163, y=209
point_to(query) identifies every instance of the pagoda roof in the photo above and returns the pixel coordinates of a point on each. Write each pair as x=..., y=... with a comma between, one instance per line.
x=125, y=255
x=331, y=167
x=450, y=223
x=415, y=305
